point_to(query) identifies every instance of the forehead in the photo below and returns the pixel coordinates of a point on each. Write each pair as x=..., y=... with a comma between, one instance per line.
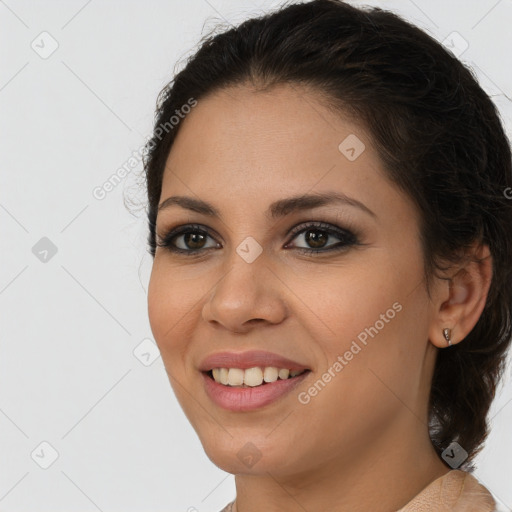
x=282, y=132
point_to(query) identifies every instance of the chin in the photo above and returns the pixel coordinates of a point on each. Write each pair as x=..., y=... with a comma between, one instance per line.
x=246, y=455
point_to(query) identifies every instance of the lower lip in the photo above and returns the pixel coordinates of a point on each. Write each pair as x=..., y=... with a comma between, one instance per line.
x=248, y=399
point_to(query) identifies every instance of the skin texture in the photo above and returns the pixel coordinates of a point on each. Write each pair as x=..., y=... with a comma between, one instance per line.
x=362, y=442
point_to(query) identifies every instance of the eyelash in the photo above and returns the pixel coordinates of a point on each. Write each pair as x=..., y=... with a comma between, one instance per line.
x=347, y=237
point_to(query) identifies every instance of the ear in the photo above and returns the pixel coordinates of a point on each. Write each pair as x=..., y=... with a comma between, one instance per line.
x=461, y=299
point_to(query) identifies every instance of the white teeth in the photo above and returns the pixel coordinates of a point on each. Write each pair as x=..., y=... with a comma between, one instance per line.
x=270, y=374
x=283, y=373
x=252, y=377
x=235, y=377
x=223, y=376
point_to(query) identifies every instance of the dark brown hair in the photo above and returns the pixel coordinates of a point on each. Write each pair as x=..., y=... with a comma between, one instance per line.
x=438, y=135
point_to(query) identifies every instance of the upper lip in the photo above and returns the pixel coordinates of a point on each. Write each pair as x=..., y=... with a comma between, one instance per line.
x=250, y=359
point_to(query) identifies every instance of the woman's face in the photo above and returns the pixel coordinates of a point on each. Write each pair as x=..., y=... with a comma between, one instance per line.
x=353, y=311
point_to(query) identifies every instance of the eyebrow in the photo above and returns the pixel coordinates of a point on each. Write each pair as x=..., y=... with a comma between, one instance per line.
x=278, y=209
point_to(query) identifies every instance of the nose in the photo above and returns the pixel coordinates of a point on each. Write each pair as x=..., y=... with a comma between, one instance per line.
x=248, y=295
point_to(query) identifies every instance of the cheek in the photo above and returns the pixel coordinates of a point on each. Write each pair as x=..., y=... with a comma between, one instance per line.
x=340, y=302
x=158, y=303
x=372, y=315
x=169, y=301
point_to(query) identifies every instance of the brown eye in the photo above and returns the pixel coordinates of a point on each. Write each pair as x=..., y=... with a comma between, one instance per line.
x=187, y=240
x=194, y=241
x=316, y=237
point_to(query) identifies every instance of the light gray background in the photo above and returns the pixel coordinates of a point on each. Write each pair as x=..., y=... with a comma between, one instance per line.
x=72, y=368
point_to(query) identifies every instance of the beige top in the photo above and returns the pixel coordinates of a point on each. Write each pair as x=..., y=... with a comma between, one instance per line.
x=456, y=491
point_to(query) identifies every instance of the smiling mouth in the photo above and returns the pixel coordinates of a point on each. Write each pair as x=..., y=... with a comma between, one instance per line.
x=252, y=377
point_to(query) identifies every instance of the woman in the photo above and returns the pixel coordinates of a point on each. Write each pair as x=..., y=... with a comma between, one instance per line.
x=332, y=275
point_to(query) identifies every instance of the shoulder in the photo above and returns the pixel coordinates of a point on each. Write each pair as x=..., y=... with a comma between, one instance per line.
x=228, y=507
x=456, y=491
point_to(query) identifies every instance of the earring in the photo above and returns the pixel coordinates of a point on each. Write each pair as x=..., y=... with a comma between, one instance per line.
x=447, y=333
